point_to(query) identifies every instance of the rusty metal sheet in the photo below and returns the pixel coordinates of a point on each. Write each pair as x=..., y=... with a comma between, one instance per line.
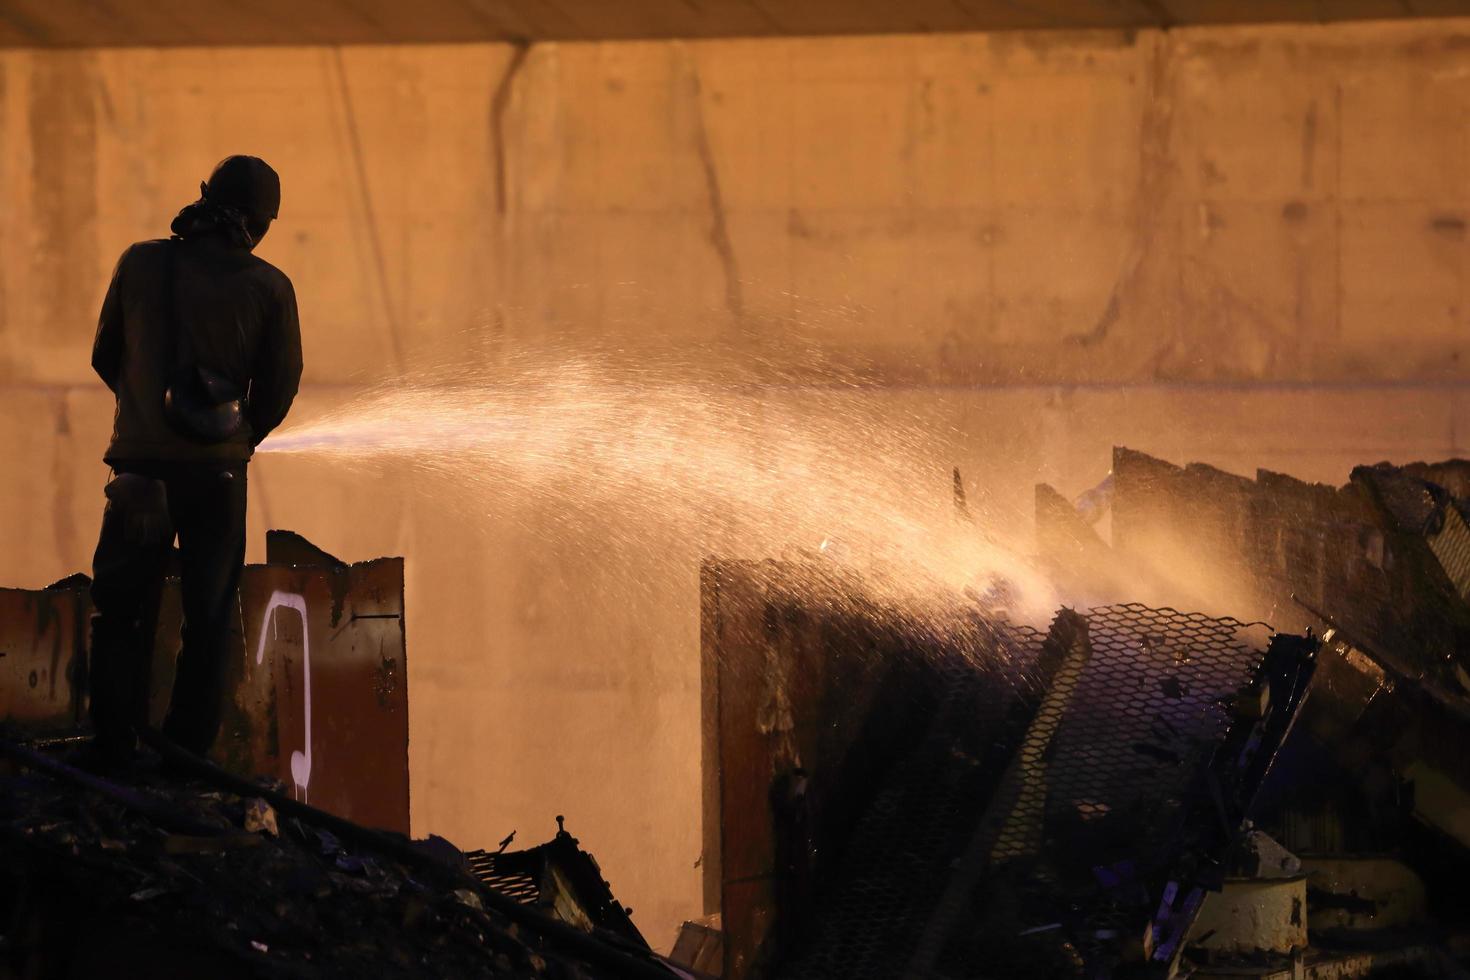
x=42, y=650
x=799, y=671
x=776, y=697
x=316, y=683
x=324, y=673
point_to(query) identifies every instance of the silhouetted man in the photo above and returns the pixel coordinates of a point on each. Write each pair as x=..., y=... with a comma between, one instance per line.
x=199, y=340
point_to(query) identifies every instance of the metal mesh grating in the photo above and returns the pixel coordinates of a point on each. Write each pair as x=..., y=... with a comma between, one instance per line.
x=1090, y=819
x=898, y=860
x=519, y=883
x=1452, y=547
x=1043, y=811
x=1129, y=720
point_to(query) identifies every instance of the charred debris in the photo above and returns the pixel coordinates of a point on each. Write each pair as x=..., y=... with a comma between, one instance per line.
x=291, y=858
x=1158, y=784
x=1136, y=791
x=183, y=870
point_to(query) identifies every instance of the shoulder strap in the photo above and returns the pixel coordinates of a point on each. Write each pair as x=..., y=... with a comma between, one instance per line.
x=172, y=330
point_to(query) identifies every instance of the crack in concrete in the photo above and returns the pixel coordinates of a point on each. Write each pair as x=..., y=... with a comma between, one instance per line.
x=499, y=103
x=375, y=238
x=1151, y=200
x=719, y=232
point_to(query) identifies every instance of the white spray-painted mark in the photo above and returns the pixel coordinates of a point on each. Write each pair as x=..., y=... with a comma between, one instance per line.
x=300, y=761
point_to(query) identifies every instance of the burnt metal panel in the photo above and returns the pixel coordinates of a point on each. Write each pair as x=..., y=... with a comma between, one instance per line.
x=833, y=726
x=1382, y=557
x=322, y=699
x=1385, y=561
x=316, y=683
x=892, y=880
x=800, y=677
x=42, y=656
x=1376, y=756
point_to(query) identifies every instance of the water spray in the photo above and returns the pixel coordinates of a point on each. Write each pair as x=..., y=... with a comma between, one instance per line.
x=676, y=458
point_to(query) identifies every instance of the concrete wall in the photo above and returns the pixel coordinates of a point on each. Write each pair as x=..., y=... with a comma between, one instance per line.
x=1246, y=246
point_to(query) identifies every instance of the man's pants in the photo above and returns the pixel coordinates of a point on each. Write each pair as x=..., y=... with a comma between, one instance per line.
x=148, y=503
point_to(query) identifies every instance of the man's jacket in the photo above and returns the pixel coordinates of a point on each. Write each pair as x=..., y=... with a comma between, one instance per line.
x=239, y=314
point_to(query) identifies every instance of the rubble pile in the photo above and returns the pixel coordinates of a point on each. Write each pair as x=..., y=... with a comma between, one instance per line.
x=1379, y=566
x=990, y=802
x=996, y=802
x=160, y=876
